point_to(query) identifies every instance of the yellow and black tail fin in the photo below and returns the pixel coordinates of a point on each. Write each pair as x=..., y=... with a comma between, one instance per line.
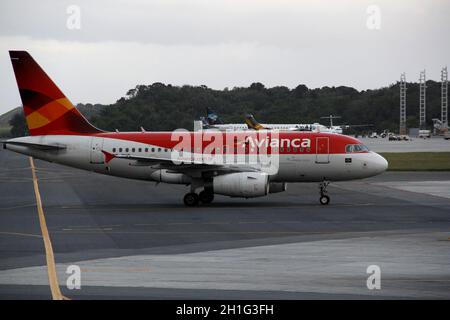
x=252, y=123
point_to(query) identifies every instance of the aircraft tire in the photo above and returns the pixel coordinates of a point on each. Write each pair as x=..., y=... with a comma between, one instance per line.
x=324, y=200
x=191, y=199
x=206, y=197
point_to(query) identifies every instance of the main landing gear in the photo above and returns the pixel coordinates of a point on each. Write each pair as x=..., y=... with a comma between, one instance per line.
x=324, y=199
x=206, y=196
x=191, y=199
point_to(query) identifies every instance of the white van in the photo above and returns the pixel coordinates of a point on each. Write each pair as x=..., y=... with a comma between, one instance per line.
x=424, y=134
x=447, y=135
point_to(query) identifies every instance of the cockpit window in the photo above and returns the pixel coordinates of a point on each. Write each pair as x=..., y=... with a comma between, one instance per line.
x=354, y=148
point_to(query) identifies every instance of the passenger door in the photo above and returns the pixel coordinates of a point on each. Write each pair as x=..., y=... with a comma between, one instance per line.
x=97, y=156
x=322, y=150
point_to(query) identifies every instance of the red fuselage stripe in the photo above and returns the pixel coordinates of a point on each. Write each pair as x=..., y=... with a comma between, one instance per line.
x=336, y=143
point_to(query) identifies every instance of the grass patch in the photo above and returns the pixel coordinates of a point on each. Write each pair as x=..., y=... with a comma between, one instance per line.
x=418, y=161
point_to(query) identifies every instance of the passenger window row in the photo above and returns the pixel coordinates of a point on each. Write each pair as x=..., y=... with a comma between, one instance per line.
x=120, y=150
x=140, y=150
x=295, y=150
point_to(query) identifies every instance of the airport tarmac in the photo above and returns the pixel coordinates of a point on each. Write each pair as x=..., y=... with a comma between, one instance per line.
x=435, y=144
x=133, y=239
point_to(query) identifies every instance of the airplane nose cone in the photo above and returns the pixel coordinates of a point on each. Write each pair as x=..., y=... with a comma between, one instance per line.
x=379, y=163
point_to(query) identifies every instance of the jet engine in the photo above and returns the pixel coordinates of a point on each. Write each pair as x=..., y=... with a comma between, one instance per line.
x=242, y=184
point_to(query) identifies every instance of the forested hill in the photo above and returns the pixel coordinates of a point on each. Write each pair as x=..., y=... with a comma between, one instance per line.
x=166, y=107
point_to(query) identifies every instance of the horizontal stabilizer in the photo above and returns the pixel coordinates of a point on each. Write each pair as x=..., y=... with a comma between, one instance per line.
x=39, y=146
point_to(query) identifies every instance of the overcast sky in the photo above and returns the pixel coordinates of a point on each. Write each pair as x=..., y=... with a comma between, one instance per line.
x=222, y=43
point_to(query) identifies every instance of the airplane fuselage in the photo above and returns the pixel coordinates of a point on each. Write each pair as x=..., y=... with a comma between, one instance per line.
x=296, y=164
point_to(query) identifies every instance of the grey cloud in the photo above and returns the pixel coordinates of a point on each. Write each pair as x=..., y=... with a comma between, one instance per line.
x=222, y=43
x=290, y=24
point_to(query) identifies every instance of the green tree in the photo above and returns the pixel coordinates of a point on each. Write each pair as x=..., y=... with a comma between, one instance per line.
x=160, y=106
x=18, y=125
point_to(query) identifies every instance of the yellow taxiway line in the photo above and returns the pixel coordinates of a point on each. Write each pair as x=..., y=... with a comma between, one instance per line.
x=51, y=266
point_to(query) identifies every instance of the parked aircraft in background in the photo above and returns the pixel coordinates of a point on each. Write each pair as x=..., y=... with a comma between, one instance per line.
x=60, y=134
x=212, y=121
x=340, y=128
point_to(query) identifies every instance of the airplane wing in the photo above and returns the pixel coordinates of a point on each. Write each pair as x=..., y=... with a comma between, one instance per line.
x=356, y=125
x=186, y=165
x=39, y=146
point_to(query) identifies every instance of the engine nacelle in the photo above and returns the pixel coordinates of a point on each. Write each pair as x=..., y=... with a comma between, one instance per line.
x=242, y=184
x=275, y=187
x=170, y=177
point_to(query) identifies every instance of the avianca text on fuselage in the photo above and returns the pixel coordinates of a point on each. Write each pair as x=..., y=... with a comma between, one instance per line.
x=59, y=133
x=278, y=143
x=237, y=141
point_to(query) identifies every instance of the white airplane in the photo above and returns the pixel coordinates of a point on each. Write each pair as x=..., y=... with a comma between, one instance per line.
x=212, y=121
x=60, y=134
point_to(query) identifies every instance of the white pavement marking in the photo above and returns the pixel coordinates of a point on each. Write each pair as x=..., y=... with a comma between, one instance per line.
x=434, y=188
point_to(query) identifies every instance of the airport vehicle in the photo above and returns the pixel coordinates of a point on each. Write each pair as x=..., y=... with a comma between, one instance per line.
x=447, y=135
x=59, y=133
x=424, y=134
x=392, y=137
x=439, y=127
x=404, y=137
x=373, y=135
x=385, y=134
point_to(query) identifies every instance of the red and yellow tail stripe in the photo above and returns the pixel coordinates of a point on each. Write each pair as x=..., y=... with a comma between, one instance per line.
x=47, y=110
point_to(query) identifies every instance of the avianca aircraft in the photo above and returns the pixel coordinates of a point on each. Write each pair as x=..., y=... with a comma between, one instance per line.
x=59, y=133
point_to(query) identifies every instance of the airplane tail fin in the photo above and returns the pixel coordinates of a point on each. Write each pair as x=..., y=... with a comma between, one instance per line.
x=46, y=108
x=212, y=117
x=252, y=123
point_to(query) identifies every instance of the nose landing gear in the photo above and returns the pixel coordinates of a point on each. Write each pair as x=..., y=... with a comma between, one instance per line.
x=324, y=198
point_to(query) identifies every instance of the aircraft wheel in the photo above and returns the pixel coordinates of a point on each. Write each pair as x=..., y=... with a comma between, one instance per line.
x=324, y=200
x=206, y=197
x=191, y=199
